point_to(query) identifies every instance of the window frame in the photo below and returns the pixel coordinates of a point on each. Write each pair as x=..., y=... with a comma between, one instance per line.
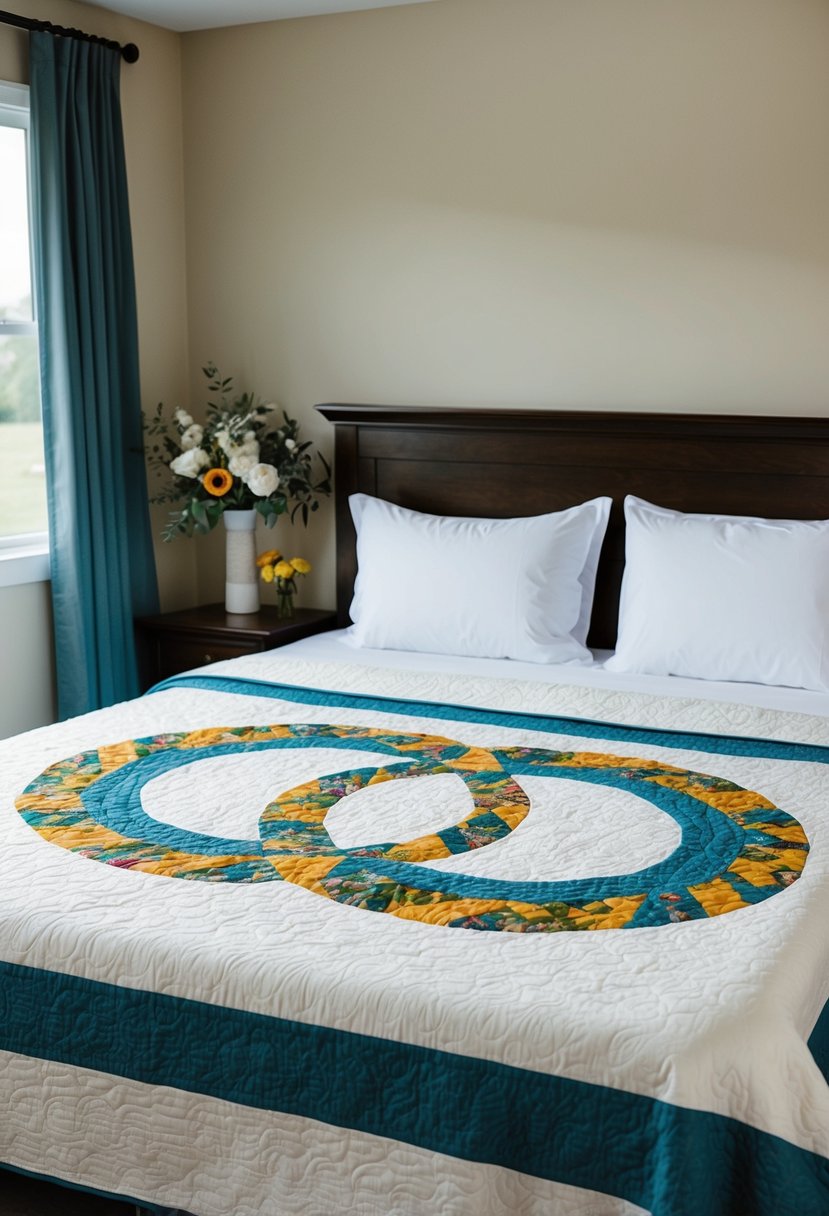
x=24, y=558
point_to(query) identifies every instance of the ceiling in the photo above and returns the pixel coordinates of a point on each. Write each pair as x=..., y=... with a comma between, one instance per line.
x=184, y=15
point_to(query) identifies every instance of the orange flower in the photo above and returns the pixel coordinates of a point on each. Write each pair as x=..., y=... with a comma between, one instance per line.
x=217, y=482
x=300, y=565
x=268, y=558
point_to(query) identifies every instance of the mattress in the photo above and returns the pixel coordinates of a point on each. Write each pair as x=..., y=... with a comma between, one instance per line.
x=296, y=935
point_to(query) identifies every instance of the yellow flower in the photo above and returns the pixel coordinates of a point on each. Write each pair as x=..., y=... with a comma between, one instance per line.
x=284, y=570
x=268, y=559
x=300, y=565
x=217, y=482
x=266, y=573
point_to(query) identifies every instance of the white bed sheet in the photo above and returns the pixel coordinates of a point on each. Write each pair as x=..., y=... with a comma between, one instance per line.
x=332, y=648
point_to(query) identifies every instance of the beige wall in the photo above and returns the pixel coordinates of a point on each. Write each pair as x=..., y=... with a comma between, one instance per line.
x=151, y=105
x=476, y=202
x=529, y=202
x=26, y=658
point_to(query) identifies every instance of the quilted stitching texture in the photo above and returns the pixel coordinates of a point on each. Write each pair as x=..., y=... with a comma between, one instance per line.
x=689, y=1025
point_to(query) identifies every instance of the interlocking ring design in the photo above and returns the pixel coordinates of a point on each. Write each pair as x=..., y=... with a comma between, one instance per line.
x=737, y=848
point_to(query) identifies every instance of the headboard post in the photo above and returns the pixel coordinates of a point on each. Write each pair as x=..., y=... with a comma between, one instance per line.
x=346, y=483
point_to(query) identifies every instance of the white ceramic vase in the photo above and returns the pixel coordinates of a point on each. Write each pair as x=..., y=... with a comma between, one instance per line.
x=241, y=575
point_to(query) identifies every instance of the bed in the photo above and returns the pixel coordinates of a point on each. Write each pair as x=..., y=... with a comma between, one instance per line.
x=367, y=931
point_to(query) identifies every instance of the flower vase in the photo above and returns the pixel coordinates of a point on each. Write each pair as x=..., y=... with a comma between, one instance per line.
x=241, y=575
x=284, y=604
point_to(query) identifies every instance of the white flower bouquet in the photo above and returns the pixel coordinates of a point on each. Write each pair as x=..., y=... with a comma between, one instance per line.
x=240, y=459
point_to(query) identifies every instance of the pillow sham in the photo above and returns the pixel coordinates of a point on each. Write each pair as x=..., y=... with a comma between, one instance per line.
x=724, y=597
x=491, y=588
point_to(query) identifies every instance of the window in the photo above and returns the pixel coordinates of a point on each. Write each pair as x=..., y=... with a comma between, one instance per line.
x=23, y=524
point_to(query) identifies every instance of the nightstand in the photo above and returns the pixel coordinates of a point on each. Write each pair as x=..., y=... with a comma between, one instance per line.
x=179, y=641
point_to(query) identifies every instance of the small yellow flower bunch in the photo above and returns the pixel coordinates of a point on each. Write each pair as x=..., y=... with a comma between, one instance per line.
x=274, y=568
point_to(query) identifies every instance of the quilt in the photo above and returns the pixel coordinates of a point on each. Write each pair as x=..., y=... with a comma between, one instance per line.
x=289, y=937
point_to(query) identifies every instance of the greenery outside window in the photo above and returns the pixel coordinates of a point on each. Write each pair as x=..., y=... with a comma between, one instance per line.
x=23, y=518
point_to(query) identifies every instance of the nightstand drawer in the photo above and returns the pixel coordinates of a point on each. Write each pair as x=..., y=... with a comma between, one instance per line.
x=179, y=641
x=175, y=654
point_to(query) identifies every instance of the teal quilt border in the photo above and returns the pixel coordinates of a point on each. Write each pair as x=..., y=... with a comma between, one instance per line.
x=670, y=1160
x=588, y=728
x=819, y=1044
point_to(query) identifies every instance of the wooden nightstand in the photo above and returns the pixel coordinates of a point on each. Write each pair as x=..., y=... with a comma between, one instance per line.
x=178, y=641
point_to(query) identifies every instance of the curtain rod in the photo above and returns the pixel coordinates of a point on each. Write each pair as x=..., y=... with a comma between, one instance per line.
x=129, y=52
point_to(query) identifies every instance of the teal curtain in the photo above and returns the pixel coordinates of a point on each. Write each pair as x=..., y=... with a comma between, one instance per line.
x=103, y=571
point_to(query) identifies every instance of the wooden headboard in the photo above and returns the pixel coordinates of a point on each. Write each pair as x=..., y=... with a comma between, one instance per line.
x=505, y=463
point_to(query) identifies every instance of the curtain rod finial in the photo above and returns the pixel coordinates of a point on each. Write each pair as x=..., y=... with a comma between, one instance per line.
x=130, y=52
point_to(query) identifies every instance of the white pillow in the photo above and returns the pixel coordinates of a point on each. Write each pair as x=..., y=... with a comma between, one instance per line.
x=724, y=597
x=496, y=588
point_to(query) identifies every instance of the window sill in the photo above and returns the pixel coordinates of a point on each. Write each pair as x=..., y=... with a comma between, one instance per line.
x=24, y=564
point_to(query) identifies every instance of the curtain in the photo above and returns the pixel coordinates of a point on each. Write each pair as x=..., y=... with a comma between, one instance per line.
x=103, y=571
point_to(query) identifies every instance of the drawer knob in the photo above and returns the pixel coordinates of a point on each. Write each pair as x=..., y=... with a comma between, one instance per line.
x=208, y=658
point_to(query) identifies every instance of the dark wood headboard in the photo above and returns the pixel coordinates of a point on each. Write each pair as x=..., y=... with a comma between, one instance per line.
x=505, y=463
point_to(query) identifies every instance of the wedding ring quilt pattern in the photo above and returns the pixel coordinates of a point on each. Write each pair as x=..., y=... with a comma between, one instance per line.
x=736, y=848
